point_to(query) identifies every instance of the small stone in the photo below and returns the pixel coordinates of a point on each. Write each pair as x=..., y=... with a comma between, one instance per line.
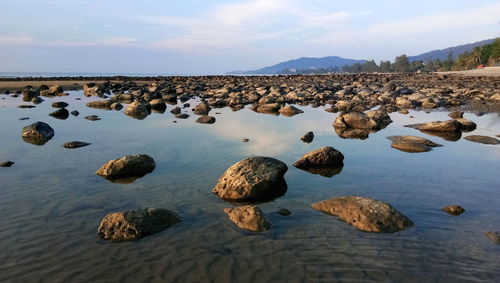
x=494, y=236
x=206, y=120
x=59, y=104
x=75, y=144
x=93, y=118
x=453, y=209
x=245, y=140
x=182, y=116
x=6, y=163
x=24, y=118
x=284, y=212
x=249, y=218
x=60, y=114
x=75, y=113
x=308, y=137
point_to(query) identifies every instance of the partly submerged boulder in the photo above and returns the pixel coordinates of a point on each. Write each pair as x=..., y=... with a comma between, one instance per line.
x=136, y=224
x=206, y=120
x=412, y=143
x=482, y=139
x=249, y=218
x=128, y=166
x=364, y=213
x=438, y=126
x=252, y=179
x=37, y=133
x=371, y=120
x=453, y=209
x=308, y=137
x=138, y=109
x=290, y=110
x=323, y=157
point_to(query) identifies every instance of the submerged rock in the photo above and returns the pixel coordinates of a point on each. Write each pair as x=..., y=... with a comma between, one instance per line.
x=93, y=118
x=308, y=137
x=38, y=133
x=412, y=143
x=248, y=218
x=206, y=120
x=59, y=104
x=482, y=139
x=284, y=212
x=136, y=165
x=136, y=224
x=252, y=179
x=6, y=163
x=494, y=236
x=453, y=209
x=75, y=144
x=366, y=214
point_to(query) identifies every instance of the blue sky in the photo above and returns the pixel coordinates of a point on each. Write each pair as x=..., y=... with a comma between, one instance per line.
x=200, y=37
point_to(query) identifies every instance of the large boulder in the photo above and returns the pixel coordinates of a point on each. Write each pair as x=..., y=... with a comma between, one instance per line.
x=128, y=166
x=252, y=179
x=248, y=218
x=323, y=157
x=371, y=120
x=138, y=110
x=136, y=224
x=38, y=133
x=364, y=213
x=412, y=143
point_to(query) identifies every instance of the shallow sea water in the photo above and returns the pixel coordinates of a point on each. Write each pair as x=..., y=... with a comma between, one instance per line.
x=51, y=201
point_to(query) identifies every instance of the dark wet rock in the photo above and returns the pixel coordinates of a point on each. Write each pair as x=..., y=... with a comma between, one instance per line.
x=59, y=104
x=37, y=100
x=136, y=224
x=93, y=118
x=6, y=163
x=284, y=212
x=138, y=110
x=364, y=213
x=100, y=104
x=38, y=133
x=245, y=140
x=182, y=116
x=202, y=109
x=75, y=144
x=290, y=110
x=467, y=125
x=453, y=209
x=175, y=110
x=136, y=165
x=252, y=179
x=158, y=105
x=438, y=126
x=371, y=120
x=116, y=106
x=206, y=120
x=308, y=137
x=249, y=218
x=482, y=139
x=456, y=114
x=75, y=113
x=24, y=118
x=26, y=106
x=60, y=114
x=494, y=236
x=412, y=143
x=322, y=157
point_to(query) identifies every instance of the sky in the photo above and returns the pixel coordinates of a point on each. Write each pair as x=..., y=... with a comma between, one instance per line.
x=214, y=37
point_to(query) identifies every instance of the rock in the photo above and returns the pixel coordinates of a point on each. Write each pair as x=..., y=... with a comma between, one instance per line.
x=136, y=165
x=100, y=104
x=24, y=118
x=290, y=111
x=138, y=110
x=467, y=125
x=26, y=106
x=352, y=133
x=59, y=104
x=439, y=126
x=93, y=118
x=158, y=105
x=284, y=212
x=75, y=113
x=482, y=139
x=6, y=163
x=449, y=136
x=412, y=143
x=372, y=120
x=136, y=224
x=56, y=89
x=494, y=236
x=37, y=100
x=453, y=209
x=272, y=108
x=182, y=116
x=456, y=114
x=322, y=157
x=252, y=179
x=176, y=111
x=116, y=106
x=38, y=133
x=202, y=109
x=75, y=144
x=245, y=140
x=248, y=218
x=62, y=114
x=206, y=120
x=366, y=214
x=308, y=137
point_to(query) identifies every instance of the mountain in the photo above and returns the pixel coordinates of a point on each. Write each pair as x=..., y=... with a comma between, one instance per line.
x=442, y=54
x=302, y=64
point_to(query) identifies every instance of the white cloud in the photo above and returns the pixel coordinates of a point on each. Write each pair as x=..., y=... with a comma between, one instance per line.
x=15, y=40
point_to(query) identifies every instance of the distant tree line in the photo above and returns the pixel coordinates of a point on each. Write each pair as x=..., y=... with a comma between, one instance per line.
x=488, y=55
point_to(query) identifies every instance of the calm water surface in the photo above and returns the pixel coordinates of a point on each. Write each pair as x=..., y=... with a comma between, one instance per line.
x=51, y=201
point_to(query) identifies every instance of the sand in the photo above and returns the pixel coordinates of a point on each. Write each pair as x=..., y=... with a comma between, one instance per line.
x=487, y=71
